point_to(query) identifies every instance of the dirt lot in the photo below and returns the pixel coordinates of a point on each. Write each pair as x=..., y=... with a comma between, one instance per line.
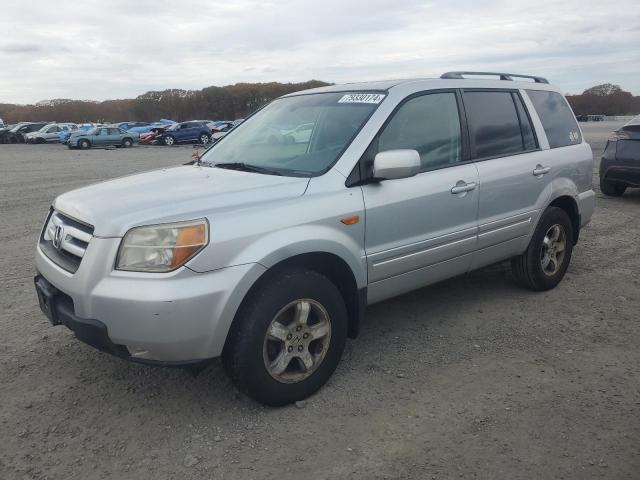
x=472, y=378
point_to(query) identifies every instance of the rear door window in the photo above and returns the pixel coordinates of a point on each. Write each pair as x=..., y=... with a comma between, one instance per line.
x=557, y=119
x=494, y=125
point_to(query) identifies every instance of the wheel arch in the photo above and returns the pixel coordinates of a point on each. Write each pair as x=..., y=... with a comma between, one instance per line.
x=570, y=206
x=332, y=266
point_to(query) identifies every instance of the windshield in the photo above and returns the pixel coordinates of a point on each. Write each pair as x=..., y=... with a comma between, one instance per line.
x=297, y=136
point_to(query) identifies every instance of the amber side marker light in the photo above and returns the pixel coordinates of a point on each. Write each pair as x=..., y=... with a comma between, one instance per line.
x=350, y=220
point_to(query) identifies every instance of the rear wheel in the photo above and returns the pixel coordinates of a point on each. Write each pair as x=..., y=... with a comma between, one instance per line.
x=543, y=265
x=84, y=144
x=611, y=189
x=288, y=337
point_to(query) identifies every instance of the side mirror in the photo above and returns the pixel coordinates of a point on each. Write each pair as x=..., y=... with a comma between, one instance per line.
x=394, y=164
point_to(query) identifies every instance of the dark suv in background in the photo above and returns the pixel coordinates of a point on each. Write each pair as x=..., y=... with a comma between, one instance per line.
x=16, y=134
x=620, y=164
x=186, y=132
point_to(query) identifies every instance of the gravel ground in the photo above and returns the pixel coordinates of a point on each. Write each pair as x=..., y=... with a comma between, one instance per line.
x=471, y=378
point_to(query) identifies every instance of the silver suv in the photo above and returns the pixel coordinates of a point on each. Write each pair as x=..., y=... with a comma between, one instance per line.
x=267, y=250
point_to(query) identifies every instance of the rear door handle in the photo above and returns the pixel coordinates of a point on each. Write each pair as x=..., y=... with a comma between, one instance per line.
x=540, y=170
x=462, y=187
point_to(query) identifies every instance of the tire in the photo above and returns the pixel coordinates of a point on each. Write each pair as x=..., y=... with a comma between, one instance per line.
x=611, y=189
x=250, y=354
x=204, y=138
x=127, y=143
x=169, y=141
x=529, y=268
x=84, y=144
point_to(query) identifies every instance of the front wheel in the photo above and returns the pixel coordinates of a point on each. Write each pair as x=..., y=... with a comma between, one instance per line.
x=288, y=337
x=84, y=144
x=543, y=265
x=169, y=140
x=127, y=142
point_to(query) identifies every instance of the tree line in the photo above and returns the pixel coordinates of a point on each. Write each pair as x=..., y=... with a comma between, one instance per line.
x=239, y=100
x=605, y=99
x=210, y=103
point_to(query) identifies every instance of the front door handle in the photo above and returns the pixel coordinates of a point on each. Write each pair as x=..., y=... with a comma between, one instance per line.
x=540, y=170
x=462, y=187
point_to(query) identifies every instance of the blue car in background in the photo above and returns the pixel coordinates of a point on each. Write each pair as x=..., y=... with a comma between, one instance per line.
x=129, y=125
x=186, y=132
x=64, y=135
x=163, y=122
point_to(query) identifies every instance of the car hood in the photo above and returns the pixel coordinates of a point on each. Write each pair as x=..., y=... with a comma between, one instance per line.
x=172, y=194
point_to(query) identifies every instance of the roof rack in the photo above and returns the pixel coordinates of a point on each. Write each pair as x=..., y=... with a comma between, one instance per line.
x=503, y=76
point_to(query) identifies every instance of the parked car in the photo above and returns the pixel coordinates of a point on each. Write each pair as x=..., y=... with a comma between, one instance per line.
x=259, y=252
x=101, y=137
x=63, y=136
x=152, y=137
x=5, y=128
x=50, y=133
x=220, y=130
x=16, y=134
x=163, y=122
x=620, y=163
x=185, y=132
x=129, y=125
x=2, y=123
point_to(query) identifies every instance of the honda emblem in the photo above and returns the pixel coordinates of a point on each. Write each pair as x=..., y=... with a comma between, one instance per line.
x=58, y=235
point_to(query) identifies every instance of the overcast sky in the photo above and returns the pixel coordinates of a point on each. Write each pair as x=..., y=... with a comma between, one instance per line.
x=119, y=49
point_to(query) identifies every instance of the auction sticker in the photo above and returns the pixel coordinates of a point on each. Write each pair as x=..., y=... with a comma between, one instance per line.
x=362, y=98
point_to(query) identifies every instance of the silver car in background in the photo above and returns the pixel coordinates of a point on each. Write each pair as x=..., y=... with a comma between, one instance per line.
x=50, y=133
x=267, y=250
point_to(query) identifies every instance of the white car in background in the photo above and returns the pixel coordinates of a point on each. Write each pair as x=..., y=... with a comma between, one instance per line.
x=50, y=133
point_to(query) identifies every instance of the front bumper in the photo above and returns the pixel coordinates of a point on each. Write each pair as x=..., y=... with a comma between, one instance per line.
x=180, y=317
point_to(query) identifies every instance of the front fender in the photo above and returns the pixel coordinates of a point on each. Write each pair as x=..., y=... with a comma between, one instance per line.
x=280, y=246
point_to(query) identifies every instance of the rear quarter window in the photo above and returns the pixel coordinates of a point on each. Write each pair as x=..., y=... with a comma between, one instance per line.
x=557, y=119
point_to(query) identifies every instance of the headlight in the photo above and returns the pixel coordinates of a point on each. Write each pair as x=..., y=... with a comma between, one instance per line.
x=162, y=248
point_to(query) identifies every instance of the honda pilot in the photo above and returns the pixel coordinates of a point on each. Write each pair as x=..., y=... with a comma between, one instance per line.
x=267, y=250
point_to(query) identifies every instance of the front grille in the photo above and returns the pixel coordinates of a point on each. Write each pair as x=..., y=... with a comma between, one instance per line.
x=64, y=240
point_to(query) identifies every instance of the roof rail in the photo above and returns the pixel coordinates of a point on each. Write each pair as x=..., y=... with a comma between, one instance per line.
x=503, y=76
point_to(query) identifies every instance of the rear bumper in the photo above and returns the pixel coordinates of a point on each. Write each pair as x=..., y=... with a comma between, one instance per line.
x=621, y=174
x=620, y=170
x=586, y=206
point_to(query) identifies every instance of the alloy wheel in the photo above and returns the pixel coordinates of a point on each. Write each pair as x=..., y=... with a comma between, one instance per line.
x=553, y=249
x=297, y=341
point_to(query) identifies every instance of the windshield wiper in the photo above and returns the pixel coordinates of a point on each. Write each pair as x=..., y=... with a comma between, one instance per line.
x=245, y=167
